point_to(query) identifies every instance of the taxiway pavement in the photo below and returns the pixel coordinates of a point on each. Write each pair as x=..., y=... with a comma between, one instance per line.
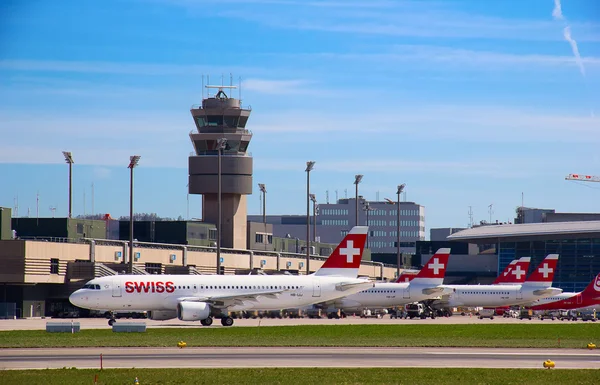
x=264, y=357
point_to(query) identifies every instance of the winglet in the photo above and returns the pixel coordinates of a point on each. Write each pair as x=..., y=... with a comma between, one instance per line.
x=345, y=259
x=544, y=273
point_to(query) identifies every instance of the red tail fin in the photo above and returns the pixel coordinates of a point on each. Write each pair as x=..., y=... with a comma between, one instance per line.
x=502, y=277
x=519, y=271
x=544, y=273
x=406, y=277
x=345, y=259
x=435, y=269
x=593, y=289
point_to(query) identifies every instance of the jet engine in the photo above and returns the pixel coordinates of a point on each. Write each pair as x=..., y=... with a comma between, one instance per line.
x=193, y=311
x=162, y=315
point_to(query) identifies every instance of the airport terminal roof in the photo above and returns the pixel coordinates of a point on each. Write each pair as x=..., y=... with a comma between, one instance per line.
x=550, y=230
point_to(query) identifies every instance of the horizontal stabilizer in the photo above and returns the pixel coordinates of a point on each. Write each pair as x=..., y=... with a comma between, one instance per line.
x=548, y=292
x=343, y=286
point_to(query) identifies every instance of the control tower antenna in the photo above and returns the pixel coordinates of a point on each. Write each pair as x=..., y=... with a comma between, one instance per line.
x=240, y=89
x=470, y=216
x=327, y=196
x=491, y=211
x=346, y=193
x=336, y=196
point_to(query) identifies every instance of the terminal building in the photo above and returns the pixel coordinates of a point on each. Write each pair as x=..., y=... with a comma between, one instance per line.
x=577, y=243
x=334, y=220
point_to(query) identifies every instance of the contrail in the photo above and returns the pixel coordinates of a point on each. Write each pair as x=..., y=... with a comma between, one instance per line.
x=567, y=35
x=557, y=12
x=558, y=15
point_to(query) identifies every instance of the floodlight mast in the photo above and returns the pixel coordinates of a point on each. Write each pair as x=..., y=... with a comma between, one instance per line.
x=221, y=145
x=309, y=166
x=313, y=198
x=69, y=159
x=133, y=162
x=398, y=253
x=357, y=179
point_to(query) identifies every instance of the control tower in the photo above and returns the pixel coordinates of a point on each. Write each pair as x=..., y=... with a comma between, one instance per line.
x=222, y=117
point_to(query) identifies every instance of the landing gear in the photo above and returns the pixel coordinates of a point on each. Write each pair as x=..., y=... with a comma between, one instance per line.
x=226, y=321
x=208, y=321
x=111, y=318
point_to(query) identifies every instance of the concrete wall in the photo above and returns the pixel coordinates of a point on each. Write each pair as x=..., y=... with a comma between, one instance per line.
x=30, y=261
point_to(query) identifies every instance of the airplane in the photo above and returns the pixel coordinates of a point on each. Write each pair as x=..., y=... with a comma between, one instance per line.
x=202, y=297
x=514, y=273
x=537, y=285
x=425, y=285
x=517, y=273
x=588, y=298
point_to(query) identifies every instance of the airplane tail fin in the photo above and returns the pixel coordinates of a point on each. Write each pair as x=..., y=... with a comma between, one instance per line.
x=345, y=259
x=593, y=289
x=502, y=277
x=406, y=277
x=517, y=273
x=434, y=270
x=543, y=275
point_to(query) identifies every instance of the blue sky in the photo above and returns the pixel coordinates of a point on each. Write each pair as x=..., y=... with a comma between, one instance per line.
x=470, y=103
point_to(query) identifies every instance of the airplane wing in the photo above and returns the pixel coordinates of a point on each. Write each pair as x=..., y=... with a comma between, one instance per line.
x=342, y=286
x=235, y=299
x=437, y=290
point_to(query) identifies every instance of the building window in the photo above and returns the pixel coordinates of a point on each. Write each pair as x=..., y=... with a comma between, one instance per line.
x=80, y=228
x=270, y=239
x=54, y=266
x=212, y=234
x=258, y=238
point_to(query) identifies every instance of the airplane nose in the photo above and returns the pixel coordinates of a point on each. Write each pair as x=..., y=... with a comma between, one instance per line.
x=75, y=298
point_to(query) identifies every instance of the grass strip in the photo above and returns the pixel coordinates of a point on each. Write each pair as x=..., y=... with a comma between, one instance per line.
x=299, y=376
x=470, y=335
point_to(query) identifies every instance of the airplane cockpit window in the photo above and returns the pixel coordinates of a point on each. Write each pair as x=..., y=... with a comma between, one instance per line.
x=91, y=286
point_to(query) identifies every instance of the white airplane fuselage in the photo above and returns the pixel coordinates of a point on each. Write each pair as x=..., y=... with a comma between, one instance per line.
x=164, y=292
x=495, y=295
x=384, y=295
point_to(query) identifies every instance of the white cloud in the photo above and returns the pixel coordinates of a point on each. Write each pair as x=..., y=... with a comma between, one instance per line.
x=460, y=58
x=281, y=87
x=422, y=20
x=101, y=173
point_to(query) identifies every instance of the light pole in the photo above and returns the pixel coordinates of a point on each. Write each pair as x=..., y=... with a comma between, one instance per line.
x=309, y=166
x=221, y=144
x=69, y=159
x=357, y=179
x=263, y=189
x=368, y=208
x=133, y=161
x=313, y=198
x=400, y=189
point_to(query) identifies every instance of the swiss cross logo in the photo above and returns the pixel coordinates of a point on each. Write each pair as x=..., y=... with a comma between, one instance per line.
x=349, y=251
x=597, y=283
x=545, y=270
x=517, y=272
x=436, y=266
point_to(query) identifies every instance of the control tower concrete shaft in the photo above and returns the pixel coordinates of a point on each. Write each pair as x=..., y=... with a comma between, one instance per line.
x=221, y=116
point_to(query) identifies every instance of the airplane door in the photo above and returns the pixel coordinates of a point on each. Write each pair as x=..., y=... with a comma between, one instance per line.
x=406, y=292
x=116, y=288
x=520, y=294
x=316, y=288
x=579, y=299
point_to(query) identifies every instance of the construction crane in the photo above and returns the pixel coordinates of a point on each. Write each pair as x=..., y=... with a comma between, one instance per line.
x=584, y=178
